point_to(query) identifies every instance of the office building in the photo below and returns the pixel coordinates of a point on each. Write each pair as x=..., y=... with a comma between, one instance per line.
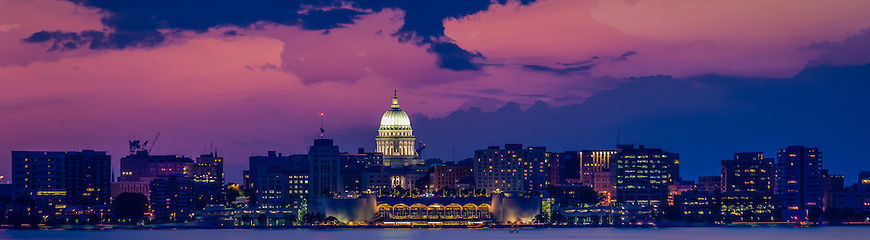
x=208, y=177
x=642, y=175
x=54, y=180
x=278, y=181
x=512, y=169
x=799, y=186
x=747, y=188
x=325, y=169
x=172, y=198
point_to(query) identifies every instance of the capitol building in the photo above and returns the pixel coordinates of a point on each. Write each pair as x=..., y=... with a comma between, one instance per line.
x=395, y=138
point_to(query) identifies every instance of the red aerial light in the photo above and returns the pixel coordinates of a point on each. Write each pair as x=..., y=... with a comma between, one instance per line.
x=321, y=114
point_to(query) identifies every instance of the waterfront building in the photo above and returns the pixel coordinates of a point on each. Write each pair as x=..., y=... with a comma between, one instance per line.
x=278, y=181
x=747, y=188
x=416, y=211
x=700, y=206
x=396, y=139
x=799, y=185
x=325, y=169
x=853, y=203
x=54, y=180
x=642, y=175
x=595, y=172
x=512, y=169
x=172, y=198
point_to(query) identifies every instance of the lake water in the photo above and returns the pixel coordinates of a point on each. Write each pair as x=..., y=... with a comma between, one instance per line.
x=453, y=234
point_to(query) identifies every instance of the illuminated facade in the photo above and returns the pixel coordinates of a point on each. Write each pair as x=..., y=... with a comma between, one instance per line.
x=57, y=179
x=642, y=175
x=595, y=172
x=395, y=138
x=512, y=169
x=747, y=188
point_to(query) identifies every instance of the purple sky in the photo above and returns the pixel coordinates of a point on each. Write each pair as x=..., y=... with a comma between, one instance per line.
x=702, y=78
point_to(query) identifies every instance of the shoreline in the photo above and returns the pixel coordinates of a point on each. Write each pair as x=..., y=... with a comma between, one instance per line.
x=342, y=227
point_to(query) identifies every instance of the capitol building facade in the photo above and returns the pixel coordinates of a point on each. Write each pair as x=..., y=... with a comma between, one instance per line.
x=396, y=139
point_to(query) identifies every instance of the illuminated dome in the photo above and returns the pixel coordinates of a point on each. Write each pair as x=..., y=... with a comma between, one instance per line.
x=395, y=118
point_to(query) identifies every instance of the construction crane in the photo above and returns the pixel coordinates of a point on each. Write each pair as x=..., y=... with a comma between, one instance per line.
x=152, y=142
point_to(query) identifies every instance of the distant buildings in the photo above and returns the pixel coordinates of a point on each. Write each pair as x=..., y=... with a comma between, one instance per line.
x=512, y=169
x=747, y=188
x=55, y=180
x=451, y=176
x=278, y=181
x=799, y=185
x=853, y=203
x=642, y=175
x=355, y=165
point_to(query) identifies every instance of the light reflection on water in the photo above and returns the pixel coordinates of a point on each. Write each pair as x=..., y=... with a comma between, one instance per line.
x=453, y=234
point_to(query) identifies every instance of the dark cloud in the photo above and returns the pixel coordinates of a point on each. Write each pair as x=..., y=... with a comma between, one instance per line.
x=144, y=23
x=559, y=70
x=850, y=51
x=582, y=66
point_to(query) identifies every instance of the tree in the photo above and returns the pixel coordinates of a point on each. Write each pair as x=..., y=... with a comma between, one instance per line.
x=331, y=221
x=130, y=207
x=313, y=218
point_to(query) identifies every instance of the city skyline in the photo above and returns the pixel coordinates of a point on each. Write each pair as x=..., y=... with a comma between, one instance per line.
x=247, y=78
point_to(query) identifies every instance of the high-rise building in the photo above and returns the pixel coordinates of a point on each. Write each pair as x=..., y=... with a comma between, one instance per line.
x=172, y=198
x=642, y=175
x=325, y=174
x=208, y=178
x=396, y=139
x=278, y=181
x=799, y=186
x=595, y=172
x=512, y=169
x=747, y=188
x=88, y=174
x=54, y=180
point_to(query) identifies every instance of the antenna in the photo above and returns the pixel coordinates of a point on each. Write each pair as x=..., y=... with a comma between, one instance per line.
x=322, y=131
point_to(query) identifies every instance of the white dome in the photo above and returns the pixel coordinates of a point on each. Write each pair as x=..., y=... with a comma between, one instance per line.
x=395, y=118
